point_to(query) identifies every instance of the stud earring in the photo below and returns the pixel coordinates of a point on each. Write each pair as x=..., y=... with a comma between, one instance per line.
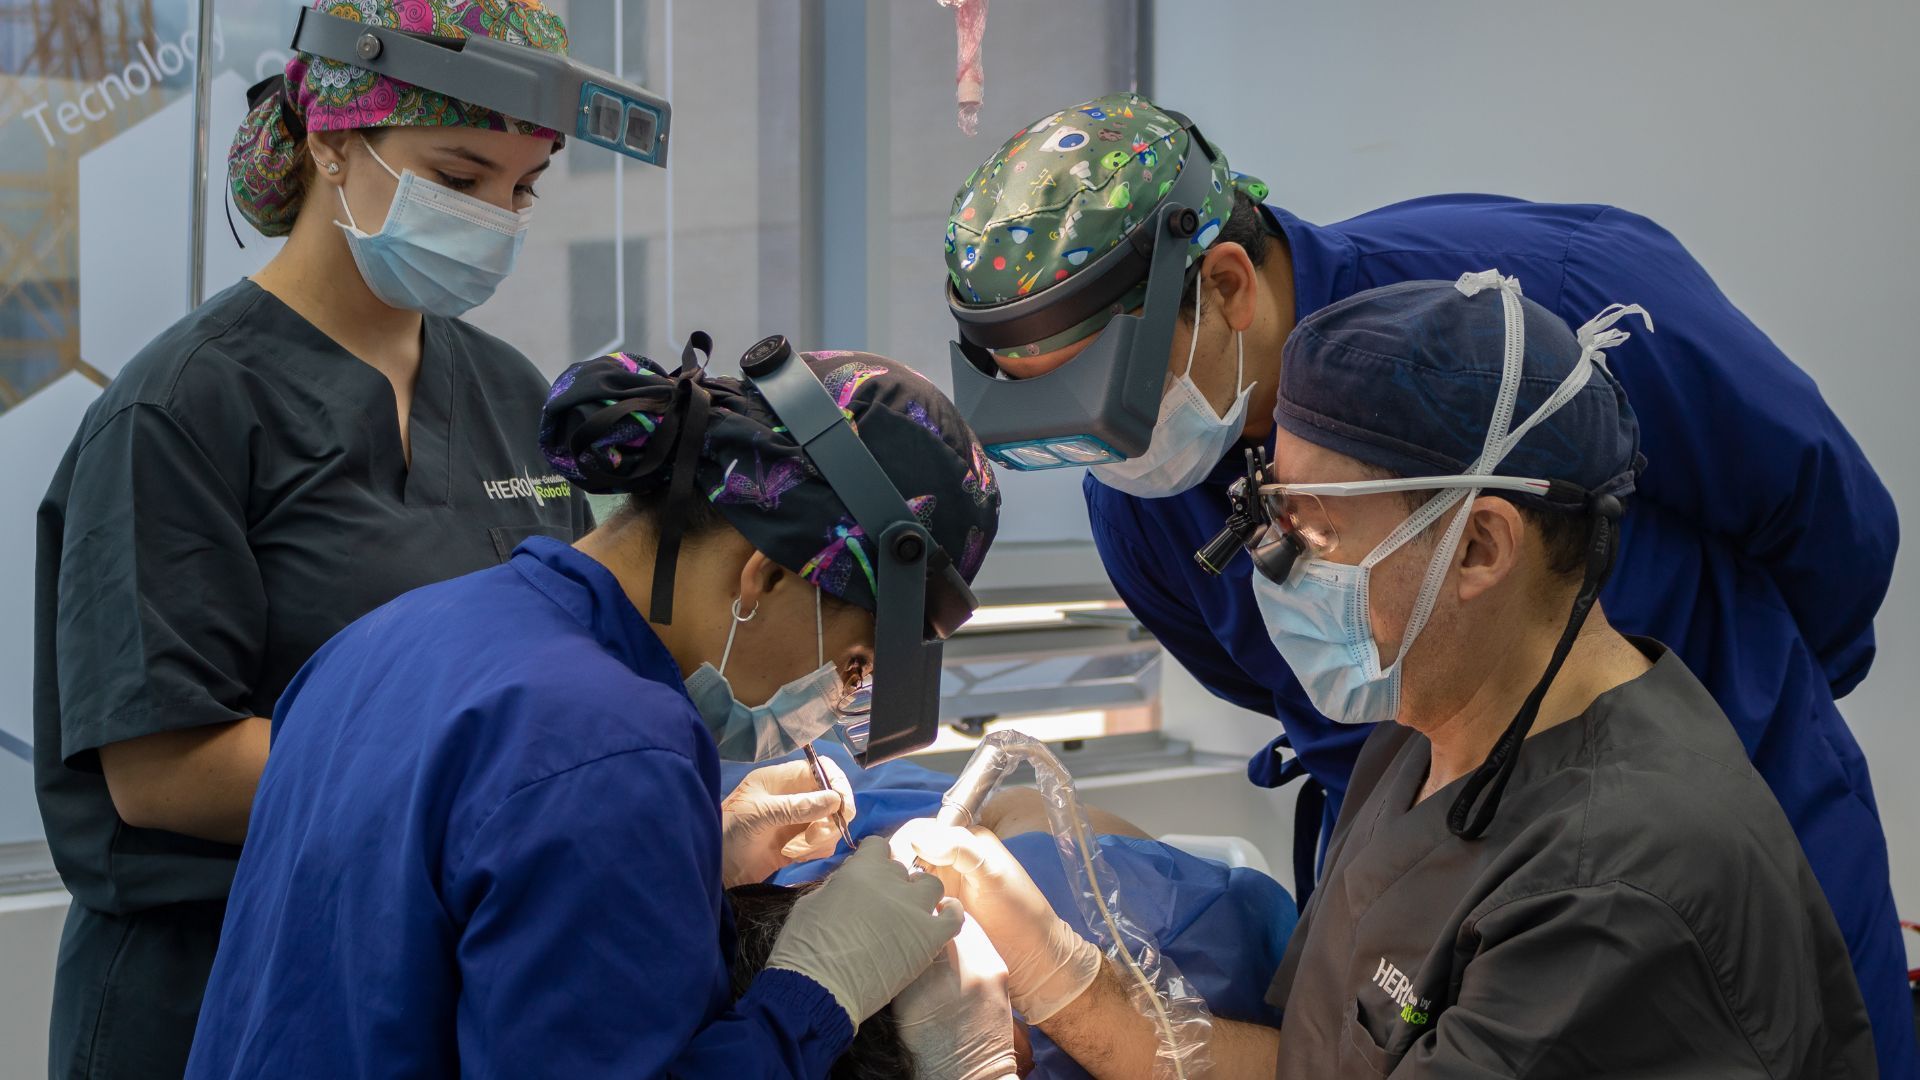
x=332, y=167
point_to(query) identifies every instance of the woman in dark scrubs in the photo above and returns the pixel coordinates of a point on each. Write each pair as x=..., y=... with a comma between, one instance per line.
x=302, y=448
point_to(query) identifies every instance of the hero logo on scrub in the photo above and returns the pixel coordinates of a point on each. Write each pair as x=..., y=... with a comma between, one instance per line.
x=537, y=488
x=1414, y=1010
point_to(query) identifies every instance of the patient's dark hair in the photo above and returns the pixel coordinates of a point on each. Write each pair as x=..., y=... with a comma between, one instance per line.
x=759, y=912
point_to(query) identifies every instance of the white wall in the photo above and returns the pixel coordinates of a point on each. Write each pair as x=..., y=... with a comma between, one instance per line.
x=1780, y=141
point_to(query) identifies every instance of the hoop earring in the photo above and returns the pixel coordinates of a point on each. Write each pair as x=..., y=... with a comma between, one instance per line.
x=748, y=617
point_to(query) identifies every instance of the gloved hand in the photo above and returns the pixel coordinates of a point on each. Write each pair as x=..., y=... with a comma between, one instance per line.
x=779, y=815
x=867, y=932
x=955, y=1016
x=1048, y=965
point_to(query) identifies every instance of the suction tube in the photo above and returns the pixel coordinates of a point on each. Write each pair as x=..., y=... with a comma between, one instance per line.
x=1154, y=983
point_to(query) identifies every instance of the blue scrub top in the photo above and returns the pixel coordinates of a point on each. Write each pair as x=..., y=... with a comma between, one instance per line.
x=487, y=844
x=1758, y=547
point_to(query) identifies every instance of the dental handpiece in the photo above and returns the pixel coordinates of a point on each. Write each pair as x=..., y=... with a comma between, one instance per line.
x=983, y=773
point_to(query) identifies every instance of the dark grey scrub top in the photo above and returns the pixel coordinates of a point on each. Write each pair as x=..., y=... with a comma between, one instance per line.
x=235, y=497
x=1639, y=907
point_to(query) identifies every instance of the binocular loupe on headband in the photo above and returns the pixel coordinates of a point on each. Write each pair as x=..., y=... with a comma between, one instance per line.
x=1101, y=405
x=520, y=81
x=1248, y=524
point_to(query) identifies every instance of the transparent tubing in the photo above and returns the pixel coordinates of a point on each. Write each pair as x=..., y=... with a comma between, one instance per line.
x=1154, y=984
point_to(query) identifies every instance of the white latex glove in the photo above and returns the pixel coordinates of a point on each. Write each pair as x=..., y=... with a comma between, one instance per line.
x=867, y=932
x=779, y=815
x=955, y=1017
x=1048, y=965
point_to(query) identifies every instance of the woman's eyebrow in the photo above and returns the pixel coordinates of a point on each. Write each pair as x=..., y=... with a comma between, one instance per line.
x=465, y=154
x=488, y=163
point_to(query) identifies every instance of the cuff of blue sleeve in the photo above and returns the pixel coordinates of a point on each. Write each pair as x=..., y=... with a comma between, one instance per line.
x=793, y=994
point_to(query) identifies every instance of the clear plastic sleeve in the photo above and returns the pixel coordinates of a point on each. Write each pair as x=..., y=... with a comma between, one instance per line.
x=1155, y=986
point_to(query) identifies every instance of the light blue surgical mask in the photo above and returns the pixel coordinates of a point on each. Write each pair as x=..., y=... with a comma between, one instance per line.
x=438, y=251
x=1321, y=623
x=1189, y=438
x=796, y=714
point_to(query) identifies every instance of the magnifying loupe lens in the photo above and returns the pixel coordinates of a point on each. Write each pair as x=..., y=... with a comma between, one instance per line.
x=641, y=125
x=1083, y=452
x=854, y=732
x=603, y=118
x=857, y=700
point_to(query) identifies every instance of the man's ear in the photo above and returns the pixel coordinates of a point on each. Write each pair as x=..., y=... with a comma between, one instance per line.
x=1228, y=269
x=1490, y=547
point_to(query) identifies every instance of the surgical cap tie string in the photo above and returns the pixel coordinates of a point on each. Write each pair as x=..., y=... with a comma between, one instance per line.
x=681, y=431
x=692, y=405
x=1595, y=336
x=1491, y=453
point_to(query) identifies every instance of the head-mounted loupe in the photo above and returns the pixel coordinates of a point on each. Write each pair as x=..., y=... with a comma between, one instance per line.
x=1101, y=405
x=1277, y=523
x=515, y=80
x=1250, y=526
x=921, y=597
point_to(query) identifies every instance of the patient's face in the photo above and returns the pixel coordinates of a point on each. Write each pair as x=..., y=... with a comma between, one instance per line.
x=759, y=912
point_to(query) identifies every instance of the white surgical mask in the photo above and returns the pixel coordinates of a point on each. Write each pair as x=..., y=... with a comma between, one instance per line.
x=1320, y=620
x=438, y=251
x=796, y=714
x=1188, y=438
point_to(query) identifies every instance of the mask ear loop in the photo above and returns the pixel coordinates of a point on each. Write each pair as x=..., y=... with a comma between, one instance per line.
x=1436, y=574
x=1239, y=364
x=340, y=189
x=1239, y=353
x=1193, y=339
x=734, y=629
x=377, y=157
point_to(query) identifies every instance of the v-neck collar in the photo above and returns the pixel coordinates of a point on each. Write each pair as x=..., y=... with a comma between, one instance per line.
x=1398, y=834
x=1541, y=754
x=428, y=479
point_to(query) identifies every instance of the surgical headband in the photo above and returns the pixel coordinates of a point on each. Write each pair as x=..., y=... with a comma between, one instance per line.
x=622, y=423
x=317, y=94
x=1067, y=188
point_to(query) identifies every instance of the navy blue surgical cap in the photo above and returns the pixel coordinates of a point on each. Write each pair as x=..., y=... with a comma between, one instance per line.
x=1405, y=378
